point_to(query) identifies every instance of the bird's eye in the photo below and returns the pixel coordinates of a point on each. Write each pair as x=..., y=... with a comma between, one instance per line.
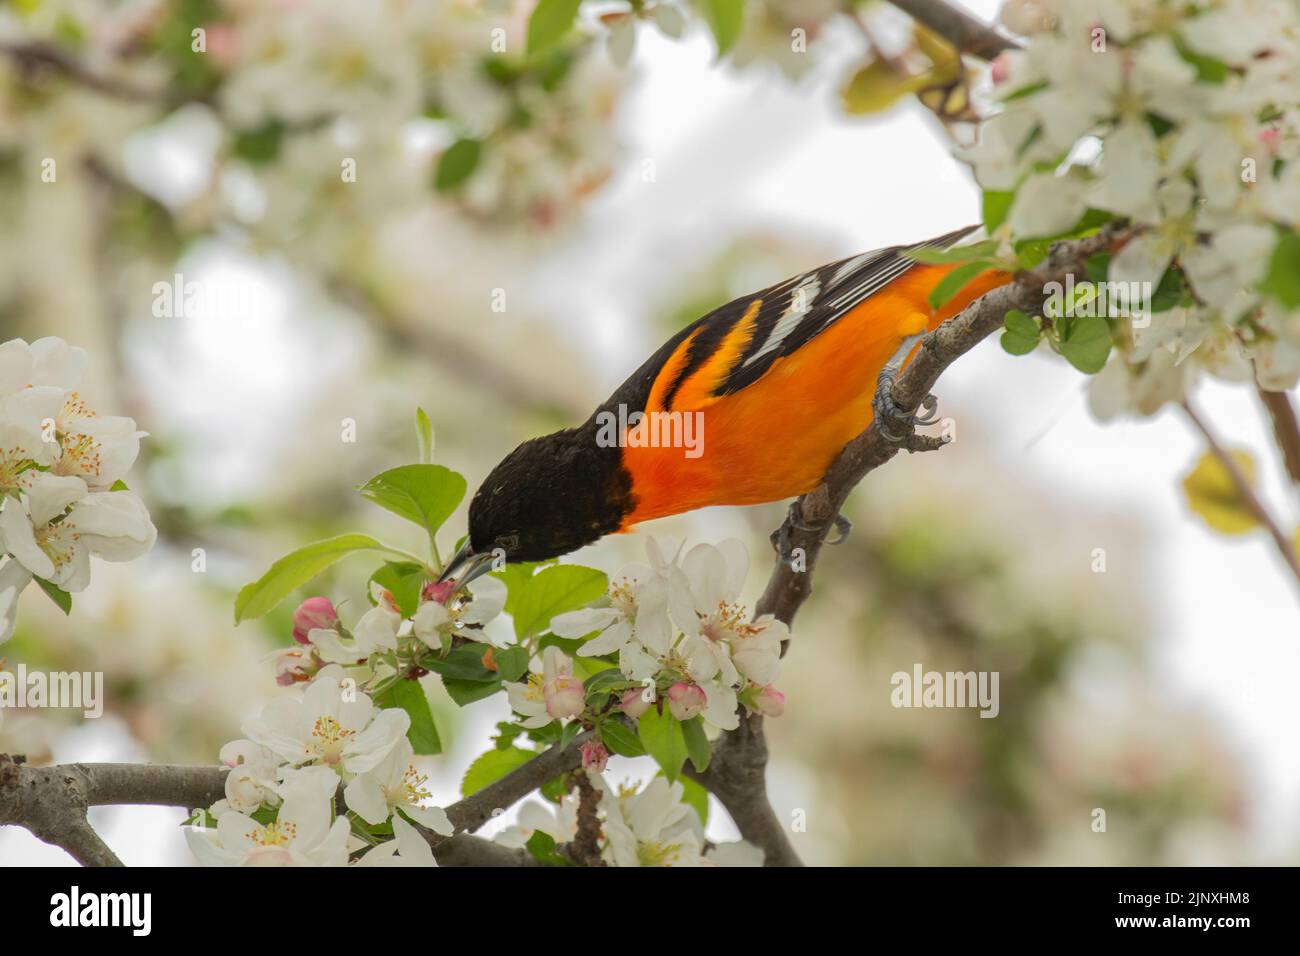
x=508, y=541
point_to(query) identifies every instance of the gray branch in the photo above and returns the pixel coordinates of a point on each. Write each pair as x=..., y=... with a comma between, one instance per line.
x=967, y=33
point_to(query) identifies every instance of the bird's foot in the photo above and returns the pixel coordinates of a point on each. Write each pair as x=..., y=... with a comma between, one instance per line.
x=842, y=528
x=894, y=423
x=780, y=538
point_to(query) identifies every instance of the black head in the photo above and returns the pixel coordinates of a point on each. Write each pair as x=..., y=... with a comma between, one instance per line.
x=550, y=496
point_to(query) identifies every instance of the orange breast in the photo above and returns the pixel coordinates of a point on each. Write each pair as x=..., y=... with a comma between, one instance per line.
x=775, y=439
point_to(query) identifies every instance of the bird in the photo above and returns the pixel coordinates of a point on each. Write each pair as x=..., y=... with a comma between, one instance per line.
x=760, y=395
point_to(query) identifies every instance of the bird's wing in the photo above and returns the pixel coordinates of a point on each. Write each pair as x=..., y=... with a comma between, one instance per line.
x=732, y=347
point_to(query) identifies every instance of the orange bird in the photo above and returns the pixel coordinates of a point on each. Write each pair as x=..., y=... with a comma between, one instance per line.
x=748, y=404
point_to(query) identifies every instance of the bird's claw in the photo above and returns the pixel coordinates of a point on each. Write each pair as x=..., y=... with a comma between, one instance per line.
x=893, y=423
x=780, y=538
x=842, y=528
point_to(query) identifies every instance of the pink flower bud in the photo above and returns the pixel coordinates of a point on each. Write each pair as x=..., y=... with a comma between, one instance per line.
x=999, y=69
x=439, y=591
x=594, y=756
x=770, y=702
x=685, y=700
x=313, y=613
x=636, y=701
x=564, y=696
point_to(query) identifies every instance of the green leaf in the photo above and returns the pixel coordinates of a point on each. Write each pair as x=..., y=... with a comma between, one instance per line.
x=1022, y=333
x=457, y=164
x=874, y=88
x=404, y=580
x=295, y=569
x=1208, y=69
x=409, y=696
x=620, y=739
x=570, y=731
x=516, y=577
x=424, y=494
x=1170, y=292
x=725, y=19
x=541, y=847
x=954, y=282
x=976, y=250
x=555, y=788
x=586, y=667
x=694, y=795
x=661, y=735
x=551, y=20
x=463, y=663
x=1029, y=89
x=465, y=692
x=1031, y=252
x=1282, y=281
x=608, y=680
x=1098, y=267
x=552, y=591
x=424, y=436
x=1213, y=495
x=1087, y=344
x=491, y=766
x=59, y=596
x=570, y=645
x=261, y=145
x=512, y=663
x=996, y=207
x=697, y=744
x=119, y=485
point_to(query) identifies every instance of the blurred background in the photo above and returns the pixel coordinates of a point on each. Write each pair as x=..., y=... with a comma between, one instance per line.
x=507, y=286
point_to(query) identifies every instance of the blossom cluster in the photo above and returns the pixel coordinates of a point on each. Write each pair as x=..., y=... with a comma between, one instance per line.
x=1184, y=121
x=679, y=630
x=62, y=498
x=326, y=774
x=280, y=807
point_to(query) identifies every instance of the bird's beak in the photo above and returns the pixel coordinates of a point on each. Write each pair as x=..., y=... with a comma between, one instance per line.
x=474, y=566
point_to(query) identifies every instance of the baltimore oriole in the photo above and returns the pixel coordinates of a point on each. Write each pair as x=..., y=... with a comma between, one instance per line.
x=769, y=387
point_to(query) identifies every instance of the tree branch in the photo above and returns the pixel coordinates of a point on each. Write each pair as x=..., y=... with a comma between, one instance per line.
x=51, y=802
x=34, y=56
x=788, y=588
x=967, y=33
x=737, y=777
x=585, y=848
x=1285, y=429
x=472, y=812
x=737, y=768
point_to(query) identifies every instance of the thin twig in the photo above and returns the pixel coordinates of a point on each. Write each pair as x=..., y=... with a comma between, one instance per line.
x=1285, y=429
x=1245, y=491
x=585, y=848
x=475, y=810
x=967, y=33
x=791, y=582
x=34, y=56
